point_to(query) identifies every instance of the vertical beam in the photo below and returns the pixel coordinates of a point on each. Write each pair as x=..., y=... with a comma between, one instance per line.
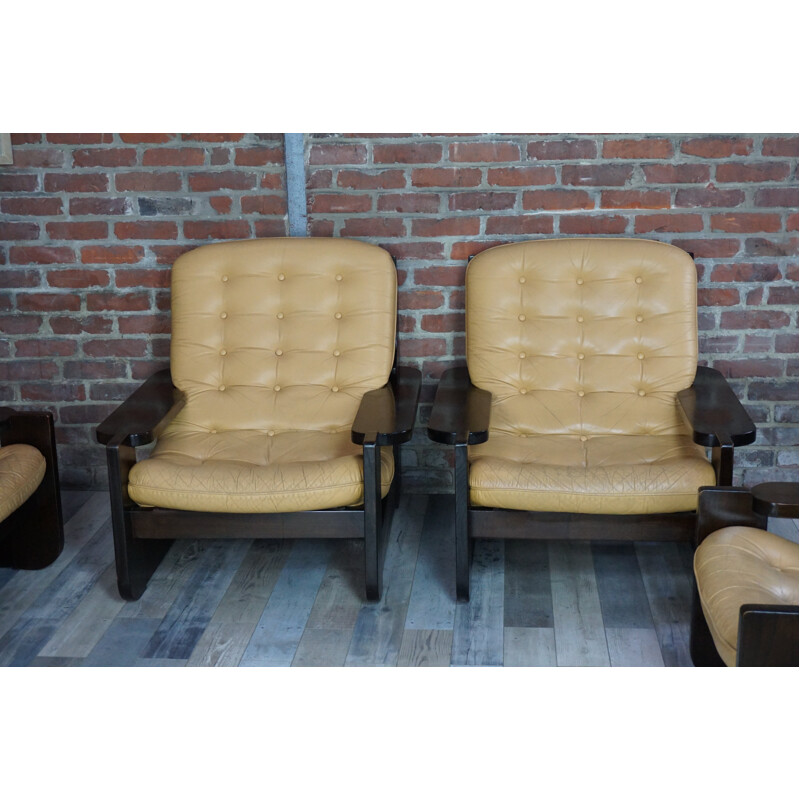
x=294, y=149
x=462, y=521
x=373, y=561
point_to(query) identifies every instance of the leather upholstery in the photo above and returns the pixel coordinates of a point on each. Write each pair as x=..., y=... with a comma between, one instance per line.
x=738, y=565
x=22, y=468
x=584, y=344
x=274, y=343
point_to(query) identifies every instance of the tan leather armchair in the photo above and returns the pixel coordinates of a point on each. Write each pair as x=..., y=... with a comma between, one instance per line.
x=283, y=412
x=31, y=524
x=582, y=399
x=745, y=610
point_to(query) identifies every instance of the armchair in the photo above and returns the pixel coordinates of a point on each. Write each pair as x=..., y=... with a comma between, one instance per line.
x=31, y=524
x=283, y=410
x=745, y=610
x=582, y=412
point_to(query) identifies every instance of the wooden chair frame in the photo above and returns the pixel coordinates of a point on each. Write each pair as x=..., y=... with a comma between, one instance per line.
x=768, y=634
x=460, y=417
x=32, y=537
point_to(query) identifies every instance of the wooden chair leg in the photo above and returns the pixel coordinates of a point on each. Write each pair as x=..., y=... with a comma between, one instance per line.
x=701, y=644
x=136, y=559
x=373, y=522
x=463, y=549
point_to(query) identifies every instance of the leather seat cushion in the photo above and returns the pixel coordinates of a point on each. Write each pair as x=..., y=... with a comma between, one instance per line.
x=601, y=475
x=251, y=471
x=738, y=565
x=22, y=468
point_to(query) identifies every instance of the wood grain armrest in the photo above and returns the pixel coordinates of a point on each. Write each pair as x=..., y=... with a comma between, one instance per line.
x=389, y=412
x=778, y=499
x=461, y=411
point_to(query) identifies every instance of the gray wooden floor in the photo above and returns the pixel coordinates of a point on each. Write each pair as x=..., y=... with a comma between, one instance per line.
x=283, y=603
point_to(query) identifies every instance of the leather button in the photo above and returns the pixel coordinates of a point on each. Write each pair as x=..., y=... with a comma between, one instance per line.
x=642, y=392
x=580, y=319
x=338, y=277
x=279, y=352
x=639, y=279
x=640, y=356
x=334, y=388
x=222, y=388
x=581, y=356
x=522, y=355
x=224, y=278
x=579, y=281
x=639, y=318
x=522, y=279
x=337, y=315
x=581, y=393
x=281, y=277
x=279, y=315
x=212, y=431
x=223, y=315
x=270, y=433
x=584, y=438
x=223, y=352
x=336, y=353
x=523, y=391
x=522, y=318
x=277, y=388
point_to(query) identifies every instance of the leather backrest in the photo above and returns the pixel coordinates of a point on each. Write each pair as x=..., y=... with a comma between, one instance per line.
x=583, y=335
x=281, y=334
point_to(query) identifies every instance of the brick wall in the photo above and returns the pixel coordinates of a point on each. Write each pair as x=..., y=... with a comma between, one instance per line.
x=89, y=226
x=90, y=223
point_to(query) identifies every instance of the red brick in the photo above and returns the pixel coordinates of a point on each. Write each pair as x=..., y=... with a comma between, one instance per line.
x=220, y=157
x=755, y=297
x=76, y=230
x=596, y=174
x=93, y=370
x=462, y=251
x=212, y=137
x=717, y=146
x=671, y=223
x=144, y=323
x=258, y=156
x=76, y=182
x=79, y=138
x=18, y=231
x=522, y=176
x=335, y=203
x=214, y=181
x=440, y=276
x=484, y=151
x=337, y=154
x=103, y=206
x=26, y=138
x=750, y=368
x=355, y=179
x=446, y=227
x=512, y=226
x=53, y=392
x=421, y=348
x=792, y=222
x=108, y=301
x=45, y=348
x=148, y=182
x=38, y=158
x=270, y=227
x=718, y=297
x=48, y=302
x=746, y=223
x=32, y=206
x=146, y=138
x=786, y=343
x=412, y=203
x=134, y=278
x=11, y=182
x=637, y=148
x=222, y=205
x=322, y=178
x=407, y=153
x=406, y=324
x=676, y=173
x=267, y=204
x=104, y=157
x=745, y=273
x=19, y=324
x=753, y=319
x=634, y=199
x=19, y=278
x=776, y=198
x=482, y=201
x=113, y=254
x=442, y=323
x=445, y=177
x=74, y=326
x=13, y=371
x=412, y=251
x=146, y=230
x=41, y=255
x=771, y=248
x=223, y=229
x=763, y=171
x=586, y=224
x=457, y=299
x=780, y=146
x=373, y=227
x=77, y=278
x=562, y=151
x=782, y=296
x=556, y=199
x=425, y=299
x=173, y=157
x=708, y=197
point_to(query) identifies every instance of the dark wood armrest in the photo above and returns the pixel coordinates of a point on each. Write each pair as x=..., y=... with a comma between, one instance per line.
x=714, y=412
x=779, y=499
x=148, y=409
x=35, y=428
x=768, y=636
x=460, y=410
x=389, y=413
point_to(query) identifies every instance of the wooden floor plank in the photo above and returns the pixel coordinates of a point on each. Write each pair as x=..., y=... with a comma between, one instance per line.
x=184, y=623
x=529, y=647
x=55, y=661
x=623, y=599
x=222, y=644
x=578, y=620
x=321, y=647
x=378, y=631
x=669, y=591
x=159, y=662
x=478, y=628
x=280, y=628
x=341, y=593
x=23, y=641
x=71, y=502
x=634, y=647
x=425, y=648
x=432, y=604
x=123, y=642
x=528, y=596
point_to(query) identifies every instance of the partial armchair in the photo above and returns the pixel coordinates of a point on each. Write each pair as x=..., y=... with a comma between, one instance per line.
x=31, y=523
x=582, y=400
x=283, y=412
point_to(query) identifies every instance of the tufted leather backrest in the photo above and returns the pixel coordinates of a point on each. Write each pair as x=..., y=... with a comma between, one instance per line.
x=281, y=334
x=583, y=336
